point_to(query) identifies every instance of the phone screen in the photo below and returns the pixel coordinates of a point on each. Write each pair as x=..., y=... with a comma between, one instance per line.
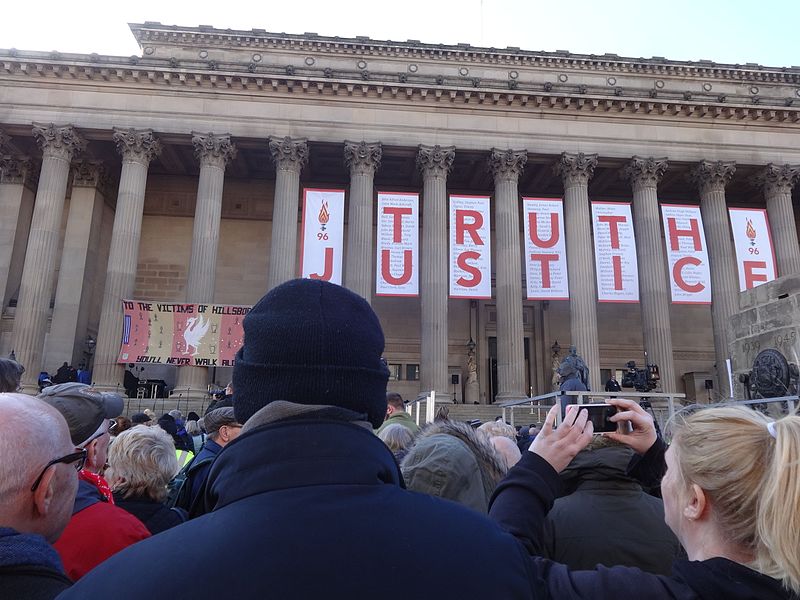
x=599, y=416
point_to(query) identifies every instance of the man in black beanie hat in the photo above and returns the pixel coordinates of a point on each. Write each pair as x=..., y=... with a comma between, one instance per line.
x=307, y=502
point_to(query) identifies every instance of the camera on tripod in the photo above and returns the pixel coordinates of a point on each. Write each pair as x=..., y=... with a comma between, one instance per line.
x=642, y=380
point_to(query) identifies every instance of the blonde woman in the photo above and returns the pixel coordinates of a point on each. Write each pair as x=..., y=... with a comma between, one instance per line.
x=731, y=496
x=141, y=464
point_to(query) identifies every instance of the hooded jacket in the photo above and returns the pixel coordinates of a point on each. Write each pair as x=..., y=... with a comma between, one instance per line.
x=315, y=508
x=607, y=518
x=400, y=417
x=29, y=567
x=450, y=460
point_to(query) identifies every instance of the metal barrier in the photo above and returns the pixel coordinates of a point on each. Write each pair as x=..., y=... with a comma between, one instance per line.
x=542, y=404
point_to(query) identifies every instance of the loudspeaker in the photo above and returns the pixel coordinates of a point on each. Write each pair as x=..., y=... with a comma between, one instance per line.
x=454, y=379
x=709, y=384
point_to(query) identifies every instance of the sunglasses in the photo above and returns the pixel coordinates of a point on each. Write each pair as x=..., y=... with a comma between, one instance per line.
x=79, y=458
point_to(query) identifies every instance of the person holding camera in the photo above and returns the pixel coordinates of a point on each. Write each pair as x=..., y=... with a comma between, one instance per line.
x=731, y=499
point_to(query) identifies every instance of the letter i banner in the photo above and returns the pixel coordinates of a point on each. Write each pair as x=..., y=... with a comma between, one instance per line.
x=470, y=247
x=545, y=249
x=755, y=255
x=397, y=272
x=687, y=254
x=615, y=252
x=322, y=244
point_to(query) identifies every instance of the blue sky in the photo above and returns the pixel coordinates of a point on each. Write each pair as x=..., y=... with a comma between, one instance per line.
x=735, y=31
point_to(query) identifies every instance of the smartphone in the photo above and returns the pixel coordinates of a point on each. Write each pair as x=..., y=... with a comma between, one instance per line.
x=599, y=416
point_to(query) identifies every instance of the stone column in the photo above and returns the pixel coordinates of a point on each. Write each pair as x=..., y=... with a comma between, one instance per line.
x=290, y=156
x=137, y=147
x=214, y=153
x=711, y=179
x=776, y=181
x=506, y=166
x=576, y=170
x=363, y=160
x=435, y=163
x=644, y=175
x=59, y=145
x=17, y=191
x=66, y=341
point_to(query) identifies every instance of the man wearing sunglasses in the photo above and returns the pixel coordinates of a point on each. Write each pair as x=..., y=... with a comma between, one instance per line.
x=98, y=529
x=38, y=480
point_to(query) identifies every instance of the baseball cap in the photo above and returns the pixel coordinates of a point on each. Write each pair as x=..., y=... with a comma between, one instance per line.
x=83, y=407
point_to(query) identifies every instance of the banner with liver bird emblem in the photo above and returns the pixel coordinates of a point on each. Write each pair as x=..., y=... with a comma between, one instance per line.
x=197, y=335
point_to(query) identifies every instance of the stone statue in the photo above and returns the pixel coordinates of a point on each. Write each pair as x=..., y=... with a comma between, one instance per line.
x=555, y=381
x=573, y=372
x=471, y=388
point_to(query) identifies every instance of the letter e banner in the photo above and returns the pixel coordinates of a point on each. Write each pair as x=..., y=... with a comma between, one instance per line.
x=755, y=256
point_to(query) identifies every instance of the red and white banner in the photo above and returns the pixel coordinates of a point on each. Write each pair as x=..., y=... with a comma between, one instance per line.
x=470, y=247
x=687, y=254
x=615, y=252
x=545, y=249
x=755, y=255
x=397, y=272
x=322, y=244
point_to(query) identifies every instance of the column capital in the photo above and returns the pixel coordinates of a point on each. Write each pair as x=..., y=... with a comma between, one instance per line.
x=362, y=158
x=576, y=168
x=777, y=179
x=290, y=154
x=92, y=173
x=58, y=141
x=435, y=161
x=137, y=145
x=712, y=176
x=645, y=172
x=19, y=170
x=214, y=150
x=507, y=164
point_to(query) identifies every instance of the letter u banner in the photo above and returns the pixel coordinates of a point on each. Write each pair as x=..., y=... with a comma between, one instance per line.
x=615, y=252
x=545, y=249
x=687, y=254
x=755, y=255
x=322, y=243
x=397, y=272
x=470, y=248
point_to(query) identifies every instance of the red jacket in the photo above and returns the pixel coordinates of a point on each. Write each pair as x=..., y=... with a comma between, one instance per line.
x=96, y=531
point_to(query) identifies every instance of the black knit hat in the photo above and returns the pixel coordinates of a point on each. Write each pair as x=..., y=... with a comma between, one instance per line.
x=311, y=342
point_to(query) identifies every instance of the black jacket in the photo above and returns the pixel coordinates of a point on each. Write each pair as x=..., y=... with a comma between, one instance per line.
x=29, y=567
x=316, y=509
x=520, y=504
x=156, y=516
x=607, y=518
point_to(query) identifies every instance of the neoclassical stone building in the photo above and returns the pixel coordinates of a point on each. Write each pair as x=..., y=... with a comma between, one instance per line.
x=177, y=176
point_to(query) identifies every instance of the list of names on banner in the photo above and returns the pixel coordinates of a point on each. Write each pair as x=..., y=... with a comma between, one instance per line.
x=397, y=272
x=470, y=247
x=615, y=252
x=687, y=254
x=545, y=249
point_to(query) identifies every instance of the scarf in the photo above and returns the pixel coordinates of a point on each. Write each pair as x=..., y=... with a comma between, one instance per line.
x=99, y=482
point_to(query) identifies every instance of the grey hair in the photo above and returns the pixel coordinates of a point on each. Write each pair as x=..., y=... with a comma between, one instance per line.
x=10, y=375
x=32, y=433
x=397, y=437
x=142, y=462
x=192, y=428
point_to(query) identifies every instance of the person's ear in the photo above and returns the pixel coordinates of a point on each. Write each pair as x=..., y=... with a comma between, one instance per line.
x=45, y=493
x=91, y=455
x=697, y=504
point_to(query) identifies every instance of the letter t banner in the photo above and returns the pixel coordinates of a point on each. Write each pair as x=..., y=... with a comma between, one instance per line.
x=397, y=272
x=687, y=254
x=615, y=252
x=470, y=247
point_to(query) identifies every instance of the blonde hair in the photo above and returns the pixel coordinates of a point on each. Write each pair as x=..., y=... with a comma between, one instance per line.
x=142, y=462
x=751, y=478
x=498, y=429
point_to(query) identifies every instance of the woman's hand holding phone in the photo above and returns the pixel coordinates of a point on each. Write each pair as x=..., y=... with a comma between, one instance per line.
x=643, y=435
x=559, y=446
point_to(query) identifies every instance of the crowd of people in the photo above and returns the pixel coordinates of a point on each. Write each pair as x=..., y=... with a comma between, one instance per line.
x=308, y=479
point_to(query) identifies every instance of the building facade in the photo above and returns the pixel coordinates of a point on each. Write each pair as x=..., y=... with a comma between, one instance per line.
x=177, y=176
